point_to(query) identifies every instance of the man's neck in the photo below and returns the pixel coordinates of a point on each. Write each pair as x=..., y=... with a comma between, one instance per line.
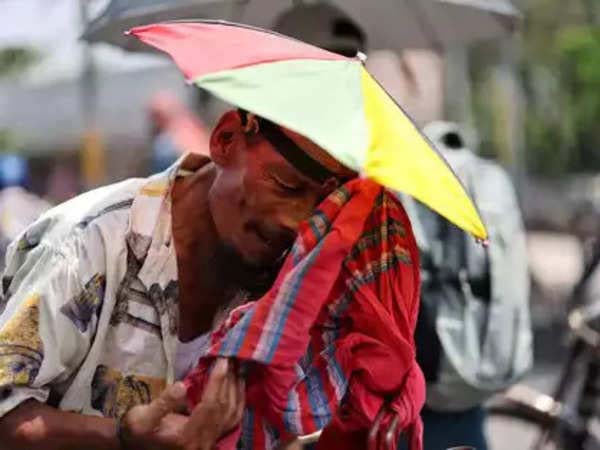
x=202, y=291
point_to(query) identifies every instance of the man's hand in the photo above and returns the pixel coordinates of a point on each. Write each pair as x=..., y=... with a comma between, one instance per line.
x=162, y=424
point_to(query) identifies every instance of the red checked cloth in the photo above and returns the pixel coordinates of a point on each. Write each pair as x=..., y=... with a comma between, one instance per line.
x=331, y=344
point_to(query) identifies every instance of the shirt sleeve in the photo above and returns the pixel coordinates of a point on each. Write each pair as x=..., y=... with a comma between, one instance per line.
x=48, y=321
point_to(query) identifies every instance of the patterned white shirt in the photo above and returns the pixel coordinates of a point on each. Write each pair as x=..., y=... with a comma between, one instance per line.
x=89, y=305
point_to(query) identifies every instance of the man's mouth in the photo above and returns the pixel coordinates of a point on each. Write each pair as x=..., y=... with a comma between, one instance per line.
x=267, y=240
x=276, y=240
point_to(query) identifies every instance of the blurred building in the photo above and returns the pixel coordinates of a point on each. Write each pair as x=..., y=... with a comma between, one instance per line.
x=414, y=78
x=50, y=126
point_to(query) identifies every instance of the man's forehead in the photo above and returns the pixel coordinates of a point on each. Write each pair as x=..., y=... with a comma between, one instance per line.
x=301, y=152
x=315, y=151
x=277, y=164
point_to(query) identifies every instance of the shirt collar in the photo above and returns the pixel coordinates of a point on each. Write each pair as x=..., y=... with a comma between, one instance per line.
x=150, y=215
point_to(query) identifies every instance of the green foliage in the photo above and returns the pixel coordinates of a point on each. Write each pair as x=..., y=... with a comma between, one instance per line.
x=14, y=60
x=8, y=142
x=579, y=59
x=559, y=73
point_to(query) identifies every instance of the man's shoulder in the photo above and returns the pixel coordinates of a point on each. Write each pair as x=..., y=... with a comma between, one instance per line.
x=102, y=208
x=94, y=204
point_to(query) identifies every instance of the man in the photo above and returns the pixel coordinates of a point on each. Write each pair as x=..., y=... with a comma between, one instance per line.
x=474, y=332
x=106, y=297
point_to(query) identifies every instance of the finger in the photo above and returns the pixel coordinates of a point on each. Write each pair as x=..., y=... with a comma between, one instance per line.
x=215, y=380
x=224, y=404
x=229, y=392
x=172, y=399
x=236, y=402
x=170, y=430
x=240, y=401
x=232, y=394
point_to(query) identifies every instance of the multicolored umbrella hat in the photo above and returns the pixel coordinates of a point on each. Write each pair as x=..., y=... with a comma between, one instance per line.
x=328, y=98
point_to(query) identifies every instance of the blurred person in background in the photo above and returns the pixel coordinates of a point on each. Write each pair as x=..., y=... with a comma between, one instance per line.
x=62, y=183
x=474, y=333
x=18, y=206
x=325, y=26
x=174, y=131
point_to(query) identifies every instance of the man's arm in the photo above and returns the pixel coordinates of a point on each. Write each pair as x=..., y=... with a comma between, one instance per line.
x=48, y=323
x=52, y=299
x=40, y=343
x=33, y=425
x=156, y=426
x=46, y=330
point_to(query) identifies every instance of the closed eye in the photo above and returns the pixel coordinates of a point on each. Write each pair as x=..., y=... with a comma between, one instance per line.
x=287, y=186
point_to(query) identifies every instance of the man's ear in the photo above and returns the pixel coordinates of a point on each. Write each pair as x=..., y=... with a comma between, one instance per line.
x=225, y=138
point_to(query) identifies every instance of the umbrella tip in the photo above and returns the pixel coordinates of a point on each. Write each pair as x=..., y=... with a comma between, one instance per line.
x=362, y=57
x=132, y=31
x=485, y=243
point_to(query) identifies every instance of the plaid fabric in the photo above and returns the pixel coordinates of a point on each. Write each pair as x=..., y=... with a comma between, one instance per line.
x=331, y=344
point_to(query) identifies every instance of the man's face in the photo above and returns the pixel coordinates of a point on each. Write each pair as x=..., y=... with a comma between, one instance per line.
x=258, y=198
